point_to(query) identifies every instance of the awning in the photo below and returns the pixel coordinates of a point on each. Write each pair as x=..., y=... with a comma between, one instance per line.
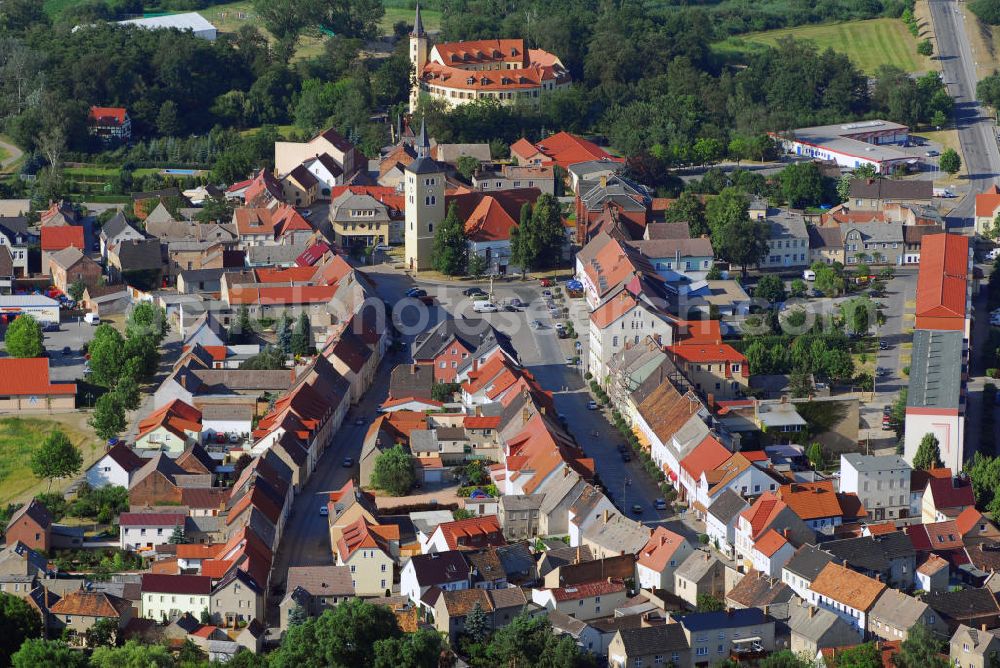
x=672, y=476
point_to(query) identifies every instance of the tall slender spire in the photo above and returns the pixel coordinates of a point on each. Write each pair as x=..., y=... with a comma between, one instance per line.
x=418, y=25
x=423, y=145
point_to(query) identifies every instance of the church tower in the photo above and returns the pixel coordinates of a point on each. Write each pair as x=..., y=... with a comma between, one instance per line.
x=418, y=57
x=424, y=186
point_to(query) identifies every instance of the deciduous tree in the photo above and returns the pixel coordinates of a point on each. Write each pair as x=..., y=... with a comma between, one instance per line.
x=39, y=653
x=19, y=622
x=393, y=471
x=950, y=161
x=56, y=458
x=450, y=244
x=921, y=649
x=108, y=419
x=24, y=337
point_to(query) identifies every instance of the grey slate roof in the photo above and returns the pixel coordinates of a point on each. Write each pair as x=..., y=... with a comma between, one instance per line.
x=873, y=463
x=660, y=639
x=896, y=189
x=872, y=233
x=934, y=378
x=871, y=553
x=963, y=604
x=814, y=623
x=425, y=166
x=135, y=255
x=900, y=610
x=808, y=561
x=727, y=506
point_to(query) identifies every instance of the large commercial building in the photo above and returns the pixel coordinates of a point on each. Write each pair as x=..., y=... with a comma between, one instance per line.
x=43, y=309
x=851, y=145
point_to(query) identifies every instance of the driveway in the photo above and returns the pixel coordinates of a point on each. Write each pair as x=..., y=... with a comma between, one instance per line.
x=13, y=154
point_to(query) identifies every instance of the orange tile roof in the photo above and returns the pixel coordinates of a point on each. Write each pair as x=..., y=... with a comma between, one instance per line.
x=588, y=590
x=987, y=202
x=198, y=550
x=847, y=587
x=541, y=449
x=762, y=513
x=942, y=282
x=362, y=534
x=769, y=543
x=302, y=294
x=662, y=545
x=482, y=422
x=968, y=519
x=284, y=274
x=216, y=568
x=707, y=455
x=811, y=501
x=933, y=564
x=91, y=604
x=699, y=332
x=177, y=417
x=474, y=532
x=566, y=149
x=613, y=308
x=726, y=472
x=882, y=528
x=701, y=354
x=62, y=236
x=20, y=377
x=107, y=114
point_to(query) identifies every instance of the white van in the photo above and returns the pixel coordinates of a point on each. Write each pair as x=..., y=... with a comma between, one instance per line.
x=809, y=275
x=92, y=319
x=485, y=306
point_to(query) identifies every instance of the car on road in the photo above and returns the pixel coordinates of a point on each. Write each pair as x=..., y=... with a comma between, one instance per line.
x=882, y=345
x=359, y=421
x=472, y=292
x=636, y=509
x=415, y=292
x=347, y=463
x=536, y=324
x=626, y=457
x=545, y=282
x=67, y=350
x=932, y=153
x=324, y=511
x=517, y=303
x=485, y=307
x=591, y=405
x=546, y=293
x=570, y=360
x=660, y=504
x=234, y=438
x=881, y=371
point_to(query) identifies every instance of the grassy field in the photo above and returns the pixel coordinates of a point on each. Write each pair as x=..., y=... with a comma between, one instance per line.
x=868, y=43
x=20, y=437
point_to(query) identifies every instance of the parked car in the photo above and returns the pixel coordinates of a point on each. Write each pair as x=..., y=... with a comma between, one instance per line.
x=324, y=511
x=536, y=324
x=637, y=509
x=484, y=306
x=347, y=463
x=881, y=371
x=545, y=282
x=471, y=292
x=882, y=345
x=234, y=438
x=517, y=303
x=67, y=350
x=591, y=405
x=660, y=504
x=413, y=292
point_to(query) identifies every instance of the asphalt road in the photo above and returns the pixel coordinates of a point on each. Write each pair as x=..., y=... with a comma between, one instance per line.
x=975, y=128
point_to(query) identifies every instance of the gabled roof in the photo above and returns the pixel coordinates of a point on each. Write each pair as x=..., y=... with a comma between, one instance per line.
x=808, y=561
x=660, y=549
x=943, y=279
x=362, y=534
x=723, y=619
x=587, y=590
x=847, y=587
x=770, y=542
x=987, y=202
x=91, y=604
x=440, y=568
x=62, y=236
x=187, y=585
x=152, y=519
x=811, y=501
x=951, y=492
x=29, y=377
x=706, y=456
x=474, y=532
x=755, y=590
x=35, y=511
x=763, y=513
x=727, y=505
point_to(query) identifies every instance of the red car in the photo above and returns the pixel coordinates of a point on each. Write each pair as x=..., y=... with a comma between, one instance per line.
x=545, y=282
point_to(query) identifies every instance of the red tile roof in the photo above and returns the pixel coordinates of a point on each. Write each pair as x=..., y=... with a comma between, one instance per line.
x=151, y=519
x=660, y=548
x=91, y=604
x=699, y=354
x=942, y=282
x=769, y=543
x=968, y=519
x=564, y=149
x=188, y=585
x=198, y=550
x=482, y=422
x=107, y=115
x=62, y=236
x=29, y=377
x=176, y=417
x=699, y=332
x=302, y=294
x=284, y=274
x=987, y=202
x=951, y=492
x=706, y=456
x=475, y=532
x=363, y=535
x=216, y=568
x=762, y=513
x=588, y=590
x=811, y=501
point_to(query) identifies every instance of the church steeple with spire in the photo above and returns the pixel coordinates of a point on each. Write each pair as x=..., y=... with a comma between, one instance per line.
x=418, y=54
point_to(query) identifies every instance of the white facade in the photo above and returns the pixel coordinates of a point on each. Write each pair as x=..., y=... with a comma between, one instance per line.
x=409, y=585
x=772, y=565
x=858, y=619
x=649, y=578
x=106, y=472
x=41, y=308
x=136, y=536
x=161, y=605
x=750, y=482
x=629, y=329
x=881, y=483
x=721, y=534
x=424, y=208
x=948, y=427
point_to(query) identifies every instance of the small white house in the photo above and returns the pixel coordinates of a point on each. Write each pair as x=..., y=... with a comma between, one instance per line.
x=770, y=553
x=147, y=531
x=115, y=468
x=721, y=519
x=659, y=558
x=448, y=571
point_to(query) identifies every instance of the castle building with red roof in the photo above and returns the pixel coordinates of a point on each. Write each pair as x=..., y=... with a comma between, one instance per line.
x=498, y=69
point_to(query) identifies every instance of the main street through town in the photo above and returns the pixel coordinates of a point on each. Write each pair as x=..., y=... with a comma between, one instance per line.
x=306, y=538
x=976, y=130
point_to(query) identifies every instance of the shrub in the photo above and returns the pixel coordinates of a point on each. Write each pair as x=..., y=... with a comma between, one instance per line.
x=703, y=538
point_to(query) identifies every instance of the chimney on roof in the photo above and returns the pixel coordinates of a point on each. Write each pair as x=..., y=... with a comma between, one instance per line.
x=785, y=532
x=413, y=369
x=606, y=513
x=479, y=410
x=711, y=400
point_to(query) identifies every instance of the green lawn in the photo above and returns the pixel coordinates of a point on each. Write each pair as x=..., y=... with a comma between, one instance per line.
x=19, y=437
x=868, y=43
